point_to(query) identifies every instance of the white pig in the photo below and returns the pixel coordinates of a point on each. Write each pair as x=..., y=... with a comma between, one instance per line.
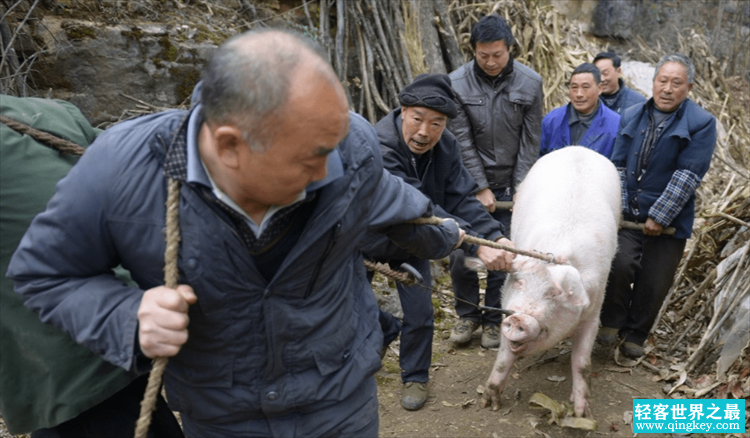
x=569, y=206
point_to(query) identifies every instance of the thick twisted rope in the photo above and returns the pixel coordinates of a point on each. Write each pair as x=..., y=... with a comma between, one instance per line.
x=65, y=147
x=170, y=280
x=550, y=258
x=409, y=280
x=401, y=277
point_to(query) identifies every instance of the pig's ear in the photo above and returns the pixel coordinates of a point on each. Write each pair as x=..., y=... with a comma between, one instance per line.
x=568, y=286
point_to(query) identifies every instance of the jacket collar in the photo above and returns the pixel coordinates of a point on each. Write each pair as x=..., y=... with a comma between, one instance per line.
x=494, y=80
x=175, y=161
x=595, y=126
x=680, y=121
x=614, y=97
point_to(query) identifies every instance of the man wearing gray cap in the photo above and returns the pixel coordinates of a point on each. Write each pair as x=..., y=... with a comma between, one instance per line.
x=416, y=147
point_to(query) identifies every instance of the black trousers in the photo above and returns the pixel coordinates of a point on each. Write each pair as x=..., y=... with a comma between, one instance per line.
x=642, y=273
x=466, y=283
x=116, y=416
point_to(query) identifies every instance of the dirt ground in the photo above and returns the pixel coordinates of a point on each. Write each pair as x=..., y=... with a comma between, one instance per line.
x=453, y=407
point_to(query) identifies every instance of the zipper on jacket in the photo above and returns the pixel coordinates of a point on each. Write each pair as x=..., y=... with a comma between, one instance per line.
x=413, y=162
x=329, y=247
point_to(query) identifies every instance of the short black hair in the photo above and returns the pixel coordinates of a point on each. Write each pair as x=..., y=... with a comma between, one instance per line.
x=609, y=55
x=491, y=28
x=587, y=67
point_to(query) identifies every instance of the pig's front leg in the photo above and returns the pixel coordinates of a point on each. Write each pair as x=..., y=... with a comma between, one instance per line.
x=499, y=375
x=583, y=343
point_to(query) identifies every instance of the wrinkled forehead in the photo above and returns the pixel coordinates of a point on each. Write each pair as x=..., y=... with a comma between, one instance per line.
x=673, y=69
x=425, y=113
x=491, y=47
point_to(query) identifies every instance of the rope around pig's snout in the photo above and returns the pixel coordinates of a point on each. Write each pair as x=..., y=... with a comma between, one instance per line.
x=549, y=258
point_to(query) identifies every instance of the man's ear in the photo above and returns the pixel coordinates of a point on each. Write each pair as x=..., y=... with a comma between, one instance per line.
x=229, y=142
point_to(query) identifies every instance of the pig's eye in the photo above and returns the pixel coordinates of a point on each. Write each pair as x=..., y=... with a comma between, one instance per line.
x=520, y=329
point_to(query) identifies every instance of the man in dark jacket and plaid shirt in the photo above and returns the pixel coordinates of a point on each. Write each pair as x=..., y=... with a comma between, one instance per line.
x=662, y=151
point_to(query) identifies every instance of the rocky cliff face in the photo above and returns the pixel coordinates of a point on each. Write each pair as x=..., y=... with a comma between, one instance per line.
x=92, y=65
x=662, y=23
x=107, y=55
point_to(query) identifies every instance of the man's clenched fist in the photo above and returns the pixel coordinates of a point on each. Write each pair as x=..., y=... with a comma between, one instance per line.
x=163, y=320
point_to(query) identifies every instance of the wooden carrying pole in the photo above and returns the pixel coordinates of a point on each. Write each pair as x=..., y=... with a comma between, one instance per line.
x=628, y=225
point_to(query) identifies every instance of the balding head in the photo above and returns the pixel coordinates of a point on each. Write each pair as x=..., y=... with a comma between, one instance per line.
x=249, y=78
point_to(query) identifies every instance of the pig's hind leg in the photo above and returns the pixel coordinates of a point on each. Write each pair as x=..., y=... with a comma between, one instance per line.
x=583, y=344
x=499, y=376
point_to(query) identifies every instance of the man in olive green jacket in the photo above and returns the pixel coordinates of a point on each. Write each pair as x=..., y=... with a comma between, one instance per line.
x=49, y=384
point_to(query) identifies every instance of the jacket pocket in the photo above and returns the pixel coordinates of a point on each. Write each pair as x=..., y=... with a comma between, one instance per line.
x=515, y=107
x=476, y=108
x=519, y=102
x=205, y=370
x=332, y=352
x=520, y=98
x=201, y=390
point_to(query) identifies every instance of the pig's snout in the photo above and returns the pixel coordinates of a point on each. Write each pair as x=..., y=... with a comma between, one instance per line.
x=520, y=329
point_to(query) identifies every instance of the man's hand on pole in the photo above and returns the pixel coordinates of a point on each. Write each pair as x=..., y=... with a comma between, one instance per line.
x=652, y=228
x=497, y=259
x=487, y=198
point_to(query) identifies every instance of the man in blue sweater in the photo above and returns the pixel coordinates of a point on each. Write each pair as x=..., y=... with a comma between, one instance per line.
x=584, y=121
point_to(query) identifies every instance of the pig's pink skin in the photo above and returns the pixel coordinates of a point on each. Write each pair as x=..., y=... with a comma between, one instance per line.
x=569, y=206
